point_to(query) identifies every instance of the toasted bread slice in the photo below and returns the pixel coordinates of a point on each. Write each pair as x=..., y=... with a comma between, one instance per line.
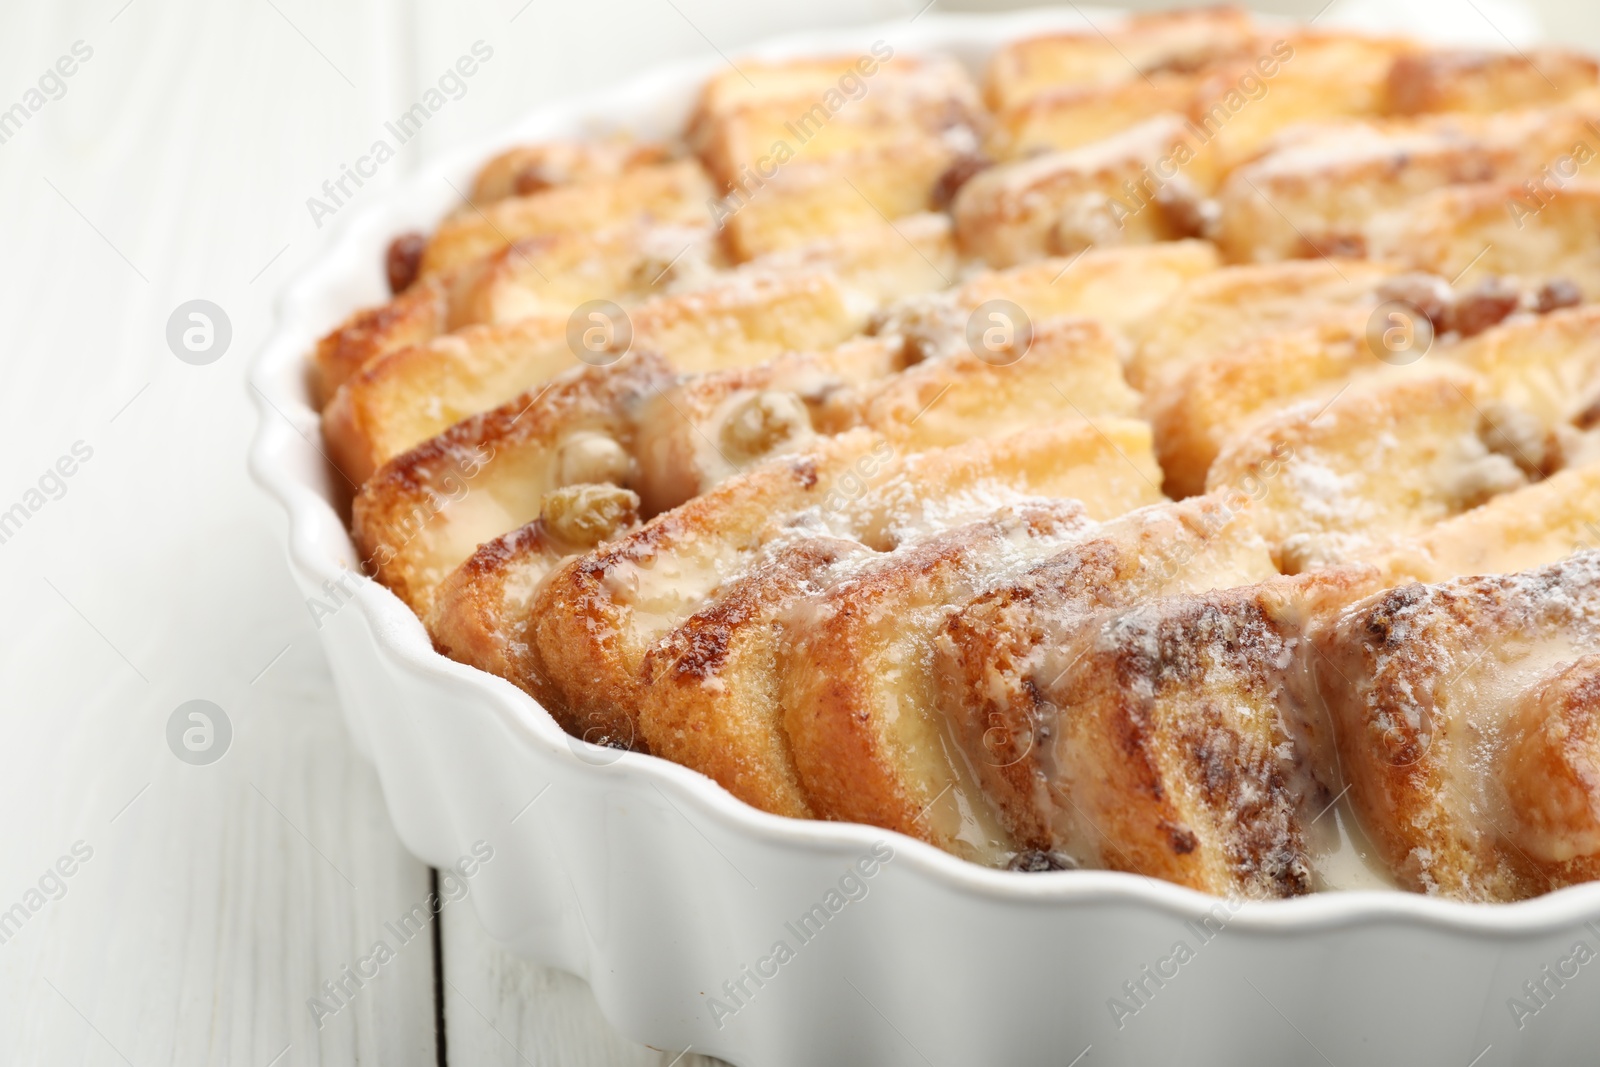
x=533, y=168
x=1136, y=187
x=1072, y=116
x=1060, y=371
x=1043, y=675
x=664, y=193
x=596, y=617
x=708, y=427
x=1143, y=45
x=408, y=396
x=1384, y=459
x=858, y=696
x=1516, y=531
x=1318, y=191
x=1159, y=737
x=880, y=260
x=1471, y=233
x=1120, y=286
x=1548, y=366
x=1207, y=402
x=711, y=697
x=547, y=276
x=480, y=610
x=1246, y=101
x=880, y=182
x=940, y=104
x=1465, y=718
x=428, y=509
x=1462, y=80
x=1223, y=310
x=916, y=86
x=1106, y=465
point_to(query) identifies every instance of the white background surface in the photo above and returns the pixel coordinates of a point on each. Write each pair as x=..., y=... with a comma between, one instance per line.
x=176, y=166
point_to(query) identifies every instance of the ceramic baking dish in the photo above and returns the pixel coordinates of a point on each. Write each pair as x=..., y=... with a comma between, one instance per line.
x=701, y=922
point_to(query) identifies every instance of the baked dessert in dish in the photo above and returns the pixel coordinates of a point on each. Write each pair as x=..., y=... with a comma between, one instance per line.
x=1172, y=452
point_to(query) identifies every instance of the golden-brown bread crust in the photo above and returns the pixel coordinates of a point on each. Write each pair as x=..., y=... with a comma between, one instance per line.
x=533, y=168
x=708, y=427
x=597, y=616
x=426, y=510
x=1317, y=190
x=546, y=275
x=414, y=316
x=1516, y=531
x=1472, y=233
x=1386, y=458
x=1145, y=44
x=711, y=697
x=1164, y=737
x=1059, y=371
x=858, y=694
x=674, y=192
x=1464, y=80
x=480, y=611
x=1220, y=311
x=997, y=653
x=1126, y=189
x=1448, y=702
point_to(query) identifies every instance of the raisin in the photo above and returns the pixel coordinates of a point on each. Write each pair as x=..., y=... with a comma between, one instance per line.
x=1486, y=304
x=1034, y=860
x=1558, y=293
x=403, y=260
x=955, y=176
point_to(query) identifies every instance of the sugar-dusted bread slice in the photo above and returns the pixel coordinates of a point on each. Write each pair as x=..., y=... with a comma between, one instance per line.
x=929, y=97
x=1473, y=233
x=1143, y=45
x=879, y=259
x=595, y=618
x=1120, y=286
x=1221, y=311
x=880, y=182
x=1247, y=100
x=1441, y=79
x=858, y=697
x=675, y=192
x=1384, y=459
x=707, y=427
x=1204, y=404
x=1520, y=530
x=427, y=510
x=1139, y=186
x=1318, y=189
x=917, y=87
x=1056, y=372
x=711, y=696
x=1108, y=466
x=533, y=168
x=408, y=396
x=1548, y=366
x=544, y=276
x=1067, y=689
x=1072, y=116
x=1465, y=717
x=479, y=612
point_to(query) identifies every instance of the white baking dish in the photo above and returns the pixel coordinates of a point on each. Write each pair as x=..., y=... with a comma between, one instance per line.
x=658, y=887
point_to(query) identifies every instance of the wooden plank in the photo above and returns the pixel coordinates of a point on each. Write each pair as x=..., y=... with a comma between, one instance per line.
x=216, y=898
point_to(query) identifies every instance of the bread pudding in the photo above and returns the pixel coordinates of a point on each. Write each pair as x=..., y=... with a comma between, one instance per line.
x=1173, y=451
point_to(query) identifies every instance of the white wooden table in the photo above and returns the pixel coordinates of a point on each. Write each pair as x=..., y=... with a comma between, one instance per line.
x=175, y=163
